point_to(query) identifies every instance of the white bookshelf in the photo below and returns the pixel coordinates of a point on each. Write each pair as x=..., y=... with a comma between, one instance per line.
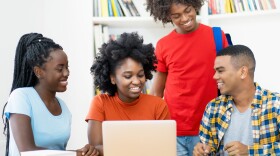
x=146, y=21
x=128, y=22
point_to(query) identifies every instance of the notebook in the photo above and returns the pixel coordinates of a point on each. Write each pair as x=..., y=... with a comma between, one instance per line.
x=48, y=153
x=139, y=138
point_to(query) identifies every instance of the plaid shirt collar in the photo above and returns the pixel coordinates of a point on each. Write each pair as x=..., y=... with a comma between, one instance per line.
x=256, y=103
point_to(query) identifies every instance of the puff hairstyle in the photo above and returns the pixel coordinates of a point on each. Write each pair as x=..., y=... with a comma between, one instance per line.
x=112, y=54
x=160, y=9
x=33, y=49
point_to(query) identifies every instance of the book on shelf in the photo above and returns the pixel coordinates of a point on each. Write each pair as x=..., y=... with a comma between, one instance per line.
x=228, y=7
x=133, y=8
x=272, y=3
x=235, y=6
x=104, y=8
x=254, y=5
x=126, y=4
x=123, y=8
x=241, y=5
x=245, y=5
x=212, y=7
x=141, y=7
x=269, y=5
x=238, y=6
x=97, y=91
x=95, y=8
x=264, y=4
x=101, y=35
x=119, y=9
x=99, y=8
x=209, y=8
x=232, y=6
x=115, y=8
x=250, y=5
x=98, y=38
x=258, y=7
x=260, y=4
x=110, y=9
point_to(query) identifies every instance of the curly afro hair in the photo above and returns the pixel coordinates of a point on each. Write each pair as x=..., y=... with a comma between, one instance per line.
x=129, y=45
x=160, y=8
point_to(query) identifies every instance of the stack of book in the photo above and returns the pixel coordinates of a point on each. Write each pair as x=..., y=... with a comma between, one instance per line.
x=236, y=6
x=114, y=8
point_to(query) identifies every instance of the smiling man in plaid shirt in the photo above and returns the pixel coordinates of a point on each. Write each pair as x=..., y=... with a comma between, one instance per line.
x=245, y=119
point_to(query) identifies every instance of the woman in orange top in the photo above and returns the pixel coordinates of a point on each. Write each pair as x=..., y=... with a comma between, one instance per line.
x=120, y=72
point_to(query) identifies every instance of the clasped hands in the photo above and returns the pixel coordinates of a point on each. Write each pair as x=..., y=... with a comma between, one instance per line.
x=234, y=148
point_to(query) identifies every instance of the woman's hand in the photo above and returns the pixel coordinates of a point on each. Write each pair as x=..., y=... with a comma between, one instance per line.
x=88, y=150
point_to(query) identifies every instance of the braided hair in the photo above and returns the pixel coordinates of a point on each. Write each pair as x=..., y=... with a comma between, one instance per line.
x=160, y=9
x=129, y=45
x=33, y=49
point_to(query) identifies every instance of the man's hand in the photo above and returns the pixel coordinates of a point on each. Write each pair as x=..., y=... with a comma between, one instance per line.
x=236, y=148
x=201, y=149
x=88, y=150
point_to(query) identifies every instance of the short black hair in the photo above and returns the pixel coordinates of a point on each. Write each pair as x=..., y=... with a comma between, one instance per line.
x=128, y=45
x=160, y=9
x=241, y=55
x=33, y=49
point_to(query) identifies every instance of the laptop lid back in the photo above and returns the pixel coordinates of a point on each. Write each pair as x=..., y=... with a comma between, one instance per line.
x=139, y=138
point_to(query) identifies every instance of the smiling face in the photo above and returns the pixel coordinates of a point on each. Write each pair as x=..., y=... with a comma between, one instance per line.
x=130, y=79
x=54, y=73
x=229, y=79
x=184, y=17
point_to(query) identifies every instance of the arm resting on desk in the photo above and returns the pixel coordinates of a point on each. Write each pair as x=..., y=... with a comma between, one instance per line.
x=95, y=135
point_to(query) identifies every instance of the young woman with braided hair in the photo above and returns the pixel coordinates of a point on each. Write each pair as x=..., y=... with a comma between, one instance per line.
x=35, y=118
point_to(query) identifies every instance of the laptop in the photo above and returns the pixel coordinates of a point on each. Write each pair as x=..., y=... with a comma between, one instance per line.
x=139, y=138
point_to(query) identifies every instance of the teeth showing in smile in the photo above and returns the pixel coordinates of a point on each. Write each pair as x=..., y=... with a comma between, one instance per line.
x=186, y=24
x=220, y=85
x=135, y=89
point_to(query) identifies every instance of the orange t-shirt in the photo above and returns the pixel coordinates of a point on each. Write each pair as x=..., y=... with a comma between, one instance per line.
x=146, y=107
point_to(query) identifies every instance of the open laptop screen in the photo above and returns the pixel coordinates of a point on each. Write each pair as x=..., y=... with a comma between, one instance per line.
x=139, y=138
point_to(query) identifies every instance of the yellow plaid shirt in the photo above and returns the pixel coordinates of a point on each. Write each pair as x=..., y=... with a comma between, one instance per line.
x=265, y=123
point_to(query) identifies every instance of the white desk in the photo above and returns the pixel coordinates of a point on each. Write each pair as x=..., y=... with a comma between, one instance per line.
x=48, y=153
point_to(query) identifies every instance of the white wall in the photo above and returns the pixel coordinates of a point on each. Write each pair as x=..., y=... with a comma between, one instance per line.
x=67, y=22
x=261, y=34
x=17, y=17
